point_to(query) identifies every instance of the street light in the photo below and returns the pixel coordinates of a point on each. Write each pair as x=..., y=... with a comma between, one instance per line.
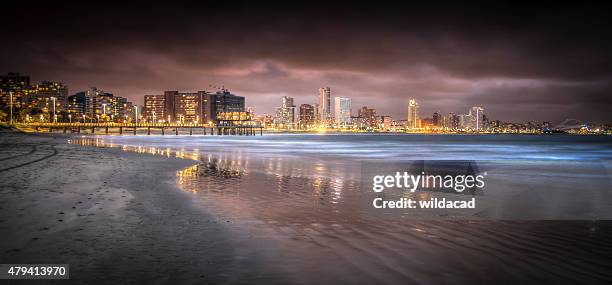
x=136, y=114
x=54, y=115
x=11, y=104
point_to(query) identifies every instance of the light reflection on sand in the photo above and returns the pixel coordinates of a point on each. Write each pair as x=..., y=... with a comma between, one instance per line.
x=307, y=201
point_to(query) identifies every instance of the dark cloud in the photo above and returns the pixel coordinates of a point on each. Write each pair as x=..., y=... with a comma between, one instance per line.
x=448, y=56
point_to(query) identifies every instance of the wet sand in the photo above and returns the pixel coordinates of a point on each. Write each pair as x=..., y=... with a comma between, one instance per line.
x=115, y=217
x=128, y=216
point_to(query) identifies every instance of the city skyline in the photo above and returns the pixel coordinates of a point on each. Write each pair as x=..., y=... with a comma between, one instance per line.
x=537, y=62
x=203, y=106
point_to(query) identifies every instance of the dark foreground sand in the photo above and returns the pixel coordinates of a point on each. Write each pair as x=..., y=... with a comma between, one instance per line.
x=115, y=217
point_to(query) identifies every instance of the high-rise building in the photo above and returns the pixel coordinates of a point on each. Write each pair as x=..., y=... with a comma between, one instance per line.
x=307, y=116
x=191, y=107
x=451, y=122
x=93, y=101
x=15, y=84
x=122, y=109
x=325, y=104
x=285, y=114
x=342, y=111
x=476, y=115
x=188, y=107
x=387, y=123
x=221, y=102
x=436, y=120
x=155, y=108
x=42, y=96
x=413, y=114
x=368, y=117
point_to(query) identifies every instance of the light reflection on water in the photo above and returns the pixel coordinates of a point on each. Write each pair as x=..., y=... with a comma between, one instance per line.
x=304, y=193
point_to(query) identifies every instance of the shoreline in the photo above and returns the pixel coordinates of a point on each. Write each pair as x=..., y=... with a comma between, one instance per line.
x=113, y=215
x=125, y=219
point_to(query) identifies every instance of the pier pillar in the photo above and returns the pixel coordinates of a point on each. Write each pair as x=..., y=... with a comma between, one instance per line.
x=162, y=131
x=121, y=130
x=176, y=131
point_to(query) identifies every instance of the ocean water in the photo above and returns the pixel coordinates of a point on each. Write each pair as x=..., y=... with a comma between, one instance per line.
x=295, y=204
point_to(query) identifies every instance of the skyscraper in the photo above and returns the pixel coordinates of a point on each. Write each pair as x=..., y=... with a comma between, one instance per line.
x=342, y=111
x=476, y=115
x=325, y=104
x=436, y=119
x=413, y=114
x=285, y=114
x=307, y=115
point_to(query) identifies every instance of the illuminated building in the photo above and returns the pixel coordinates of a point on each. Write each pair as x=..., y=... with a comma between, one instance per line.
x=285, y=114
x=437, y=120
x=387, y=123
x=324, y=104
x=41, y=97
x=221, y=101
x=476, y=115
x=155, y=108
x=368, y=116
x=451, y=121
x=307, y=116
x=13, y=82
x=413, y=114
x=342, y=111
x=190, y=107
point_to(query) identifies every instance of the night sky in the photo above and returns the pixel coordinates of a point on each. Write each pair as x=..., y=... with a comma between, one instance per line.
x=547, y=62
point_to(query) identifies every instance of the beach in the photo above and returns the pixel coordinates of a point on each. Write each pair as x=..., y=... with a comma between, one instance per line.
x=213, y=210
x=115, y=217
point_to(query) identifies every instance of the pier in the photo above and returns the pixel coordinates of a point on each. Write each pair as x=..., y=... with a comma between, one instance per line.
x=148, y=129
